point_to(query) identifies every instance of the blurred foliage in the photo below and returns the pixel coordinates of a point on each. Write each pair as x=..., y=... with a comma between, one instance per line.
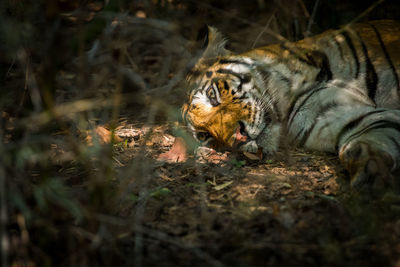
x=68, y=65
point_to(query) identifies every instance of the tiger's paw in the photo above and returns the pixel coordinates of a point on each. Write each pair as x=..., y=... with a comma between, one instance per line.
x=370, y=167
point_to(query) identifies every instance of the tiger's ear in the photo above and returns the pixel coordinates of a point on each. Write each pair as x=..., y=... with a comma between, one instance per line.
x=213, y=43
x=213, y=46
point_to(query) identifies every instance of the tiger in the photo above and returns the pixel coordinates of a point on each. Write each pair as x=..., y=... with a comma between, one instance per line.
x=335, y=92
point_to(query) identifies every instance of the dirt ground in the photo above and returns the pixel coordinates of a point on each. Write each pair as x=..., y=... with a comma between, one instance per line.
x=294, y=211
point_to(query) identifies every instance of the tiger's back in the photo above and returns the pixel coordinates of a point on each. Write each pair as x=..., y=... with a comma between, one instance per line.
x=366, y=54
x=370, y=54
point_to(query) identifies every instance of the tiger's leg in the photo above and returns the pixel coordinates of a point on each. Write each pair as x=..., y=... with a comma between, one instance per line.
x=371, y=152
x=369, y=164
x=336, y=117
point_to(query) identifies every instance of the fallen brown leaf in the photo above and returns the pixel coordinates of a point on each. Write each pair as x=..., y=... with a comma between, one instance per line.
x=177, y=153
x=103, y=135
x=252, y=156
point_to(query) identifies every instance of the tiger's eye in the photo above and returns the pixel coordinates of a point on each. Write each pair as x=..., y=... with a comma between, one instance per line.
x=212, y=96
x=203, y=136
x=211, y=93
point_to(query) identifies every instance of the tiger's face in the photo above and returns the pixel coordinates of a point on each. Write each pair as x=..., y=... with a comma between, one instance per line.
x=224, y=107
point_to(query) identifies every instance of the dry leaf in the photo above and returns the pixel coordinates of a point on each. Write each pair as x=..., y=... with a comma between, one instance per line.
x=103, y=135
x=206, y=154
x=222, y=186
x=177, y=153
x=252, y=156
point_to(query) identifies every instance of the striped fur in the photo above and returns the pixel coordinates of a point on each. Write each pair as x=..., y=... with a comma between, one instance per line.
x=335, y=92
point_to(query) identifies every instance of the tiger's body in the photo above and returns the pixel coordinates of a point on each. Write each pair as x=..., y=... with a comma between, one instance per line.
x=335, y=92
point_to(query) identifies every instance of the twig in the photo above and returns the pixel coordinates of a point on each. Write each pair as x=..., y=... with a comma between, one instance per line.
x=3, y=212
x=255, y=193
x=30, y=81
x=368, y=10
x=311, y=21
x=303, y=7
x=263, y=30
x=245, y=21
x=168, y=239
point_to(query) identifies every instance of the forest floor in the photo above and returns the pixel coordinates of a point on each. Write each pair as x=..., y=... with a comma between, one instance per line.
x=298, y=210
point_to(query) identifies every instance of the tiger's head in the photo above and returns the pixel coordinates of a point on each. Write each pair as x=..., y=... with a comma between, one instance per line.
x=227, y=107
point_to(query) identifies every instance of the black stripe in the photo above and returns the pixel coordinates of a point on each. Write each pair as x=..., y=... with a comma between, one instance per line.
x=396, y=144
x=293, y=102
x=322, y=112
x=381, y=124
x=246, y=78
x=265, y=75
x=298, y=135
x=292, y=114
x=202, y=88
x=385, y=52
x=225, y=71
x=300, y=55
x=243, y=78
x=354, y=123
x=237, y=75
x=276, y=112
x=244, y=96
x=226, y=86
x=283, y=78
x=353, y=51
x=325, y=73
x=371, y=79
x=313, y=58
x=195, y=91
x=232, y=61
x=267, y=117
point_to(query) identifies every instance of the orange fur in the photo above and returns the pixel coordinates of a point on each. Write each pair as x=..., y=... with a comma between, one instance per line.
x=220, y=121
